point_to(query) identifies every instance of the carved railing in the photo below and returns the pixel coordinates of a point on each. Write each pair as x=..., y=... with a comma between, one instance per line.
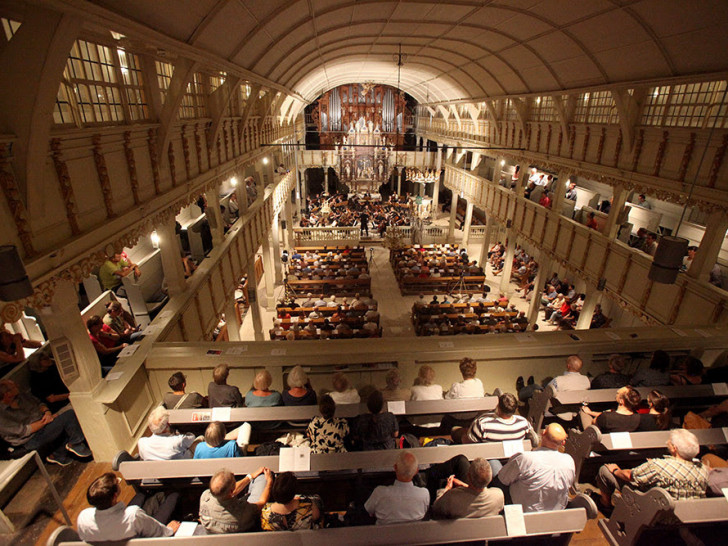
x=340, y=235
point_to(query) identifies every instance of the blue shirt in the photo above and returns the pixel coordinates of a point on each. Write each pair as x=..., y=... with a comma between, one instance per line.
x=254, y=401
x=228, y=449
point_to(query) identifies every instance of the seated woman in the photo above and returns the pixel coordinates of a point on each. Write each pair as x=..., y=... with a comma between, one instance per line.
x=623, y=419
x=343, y=393
x=288, y=511
x=470, y=386
x=689, y=372
x=11, y=348
x=114, y=319
x=46, y=384
x=658, y=416
x=327, y=432
x=424, y=388
x=394, y=390
x=220, y=444
x=300, y=392
x=106, y=343
x=261, y=395
x=377, y=429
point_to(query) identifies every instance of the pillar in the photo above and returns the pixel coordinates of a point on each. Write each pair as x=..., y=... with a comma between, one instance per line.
x=259, y=182
x=304, y=189
x=559, y=189
x=253, y=302
x=326, y=178
x=593, y=297
x=489, y=230
x=508, y=262
x=169, y=249
x=453, y=216
x=275, y=241
x=242, y=194
x=707, y=254
x=544, y=267
x=289, y=223
x=436, y=185
x=231, y=319
x=268, y=272
x=214, y=217
x=466, y=226
x=399, y=180
x=619, y=198
x=497, y=169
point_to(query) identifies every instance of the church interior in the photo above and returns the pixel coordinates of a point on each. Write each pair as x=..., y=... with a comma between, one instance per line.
x=363, y=192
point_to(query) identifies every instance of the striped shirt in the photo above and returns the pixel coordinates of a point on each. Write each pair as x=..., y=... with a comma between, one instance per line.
x=682, y=479
x=491, y=428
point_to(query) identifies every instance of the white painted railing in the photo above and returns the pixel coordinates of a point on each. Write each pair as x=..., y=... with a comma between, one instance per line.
x=477, y=232
x=343, y=235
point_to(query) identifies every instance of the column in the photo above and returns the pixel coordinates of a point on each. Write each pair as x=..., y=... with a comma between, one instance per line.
x=489, y=229
x=214, y=217
x=522, y=181
x=259, y=182
x=231, y=319
x=326, y=179
x=619, y=198
x=275, y=241
x=268, y=271
x=242, y=194
x=544, y=267
x=436, y=185
x=559, y=191
x=253, y=303
x=453, y=216
x=169, y=249
x=304, y=189
x=707, y=254
x=289, y=223
x=593, y=296
x=399, y=180
x=508, y=262
x=466, y=226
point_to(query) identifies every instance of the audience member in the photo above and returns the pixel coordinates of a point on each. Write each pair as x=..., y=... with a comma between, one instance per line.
x=613, y=378
x=470, y=498
x=109, y=519
x=216, y=444
x=219, y=393
x=343, y=392
x=689, y=372
x=539, y=480
x=261, y=395
x=623, y=419
x=377, y=429
x=11, y=348
x=424, y=388
x=500, y=426
x=658, y=416
x=470, y=386
x=403, y=501
x=572, y=379
x=300, y=392
x=223, y=509
x=105, y=341
x=326, y=432
x=178, y=398
x=289, y=511
x=114, y=269
x=27, y=423
x=656, y=375
x=46, y=383
x=676, y=473
x=393, y=390
x=163, y=445
x=114, y=319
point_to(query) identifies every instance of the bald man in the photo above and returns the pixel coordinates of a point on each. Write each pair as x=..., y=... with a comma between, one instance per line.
x=403, y=501
x=539, y=479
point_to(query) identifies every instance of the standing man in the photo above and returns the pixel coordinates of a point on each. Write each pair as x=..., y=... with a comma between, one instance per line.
x=364, y=220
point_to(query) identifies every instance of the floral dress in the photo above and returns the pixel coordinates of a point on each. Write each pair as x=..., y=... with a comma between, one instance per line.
x=327, y=435
x=300, y=518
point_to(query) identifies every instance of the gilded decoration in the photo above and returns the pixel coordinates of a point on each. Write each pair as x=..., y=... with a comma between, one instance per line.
x=584, y=149
x=153, y=159
x=661, y=153
x=103, y=174
x=131, y=167
x=172, y=166
x=687, y=156
x=618, y=148
x=15, y=203
x=638, y=150
x=64, y=181
x=717, y=161
x=600, y=147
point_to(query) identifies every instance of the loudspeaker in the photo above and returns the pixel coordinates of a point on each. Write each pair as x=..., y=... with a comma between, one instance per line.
x=668, y=259
x=14, y=281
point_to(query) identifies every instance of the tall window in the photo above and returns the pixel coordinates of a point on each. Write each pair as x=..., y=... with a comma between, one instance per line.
x=164, y=77
x=193, y=101
x=602, y=108
x=216, y=80
x=131, y=73
x=694, y=104
x=582, y=107
x=542, y=109
x=10, y=27
x=654, y=108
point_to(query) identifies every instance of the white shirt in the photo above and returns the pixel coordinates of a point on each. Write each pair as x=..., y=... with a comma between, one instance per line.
x=570, y=381
x=468, y=388
x=118, y=523
x=398, y=503
x=539, y=480
x=347, y=397
x=166, y=447
x=426, y=392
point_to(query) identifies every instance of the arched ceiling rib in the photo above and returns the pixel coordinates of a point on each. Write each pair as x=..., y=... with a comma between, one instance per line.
x=456, y=49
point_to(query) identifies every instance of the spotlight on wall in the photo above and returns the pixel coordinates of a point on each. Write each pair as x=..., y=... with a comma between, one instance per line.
x=14, y=281
x=233, y=181
x=265, y=161
x=668, y=259
x=503, y=162
x=155, y=239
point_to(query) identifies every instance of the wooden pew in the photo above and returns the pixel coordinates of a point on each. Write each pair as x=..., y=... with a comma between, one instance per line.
x=371, y=461
x=301, y=413
x=636, y=512
x=572, y=400
x=562, y=524
x=580, y=444
x=441, y=285
x=338, y=287
x=145, y=294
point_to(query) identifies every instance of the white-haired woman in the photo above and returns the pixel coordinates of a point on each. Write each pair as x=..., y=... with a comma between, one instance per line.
x=299, y=392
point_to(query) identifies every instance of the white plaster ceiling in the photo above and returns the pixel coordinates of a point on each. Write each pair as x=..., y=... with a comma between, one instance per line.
x=456, y=49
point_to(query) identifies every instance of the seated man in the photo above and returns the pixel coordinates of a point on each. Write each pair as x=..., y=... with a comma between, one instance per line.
x=539, y=480
x=114, y=269
x=401, y=502
x=27, y=423
x=108, y=519
x=223, y=510
x=676, y=473
x=219, y=393
x=162, y=445
x=178, y=398
x=11, y=348
x=500, y=426
x=46, y=383
x=472, y=498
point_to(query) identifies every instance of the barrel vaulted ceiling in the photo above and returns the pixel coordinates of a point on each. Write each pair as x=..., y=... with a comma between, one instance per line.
x=455, y=49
